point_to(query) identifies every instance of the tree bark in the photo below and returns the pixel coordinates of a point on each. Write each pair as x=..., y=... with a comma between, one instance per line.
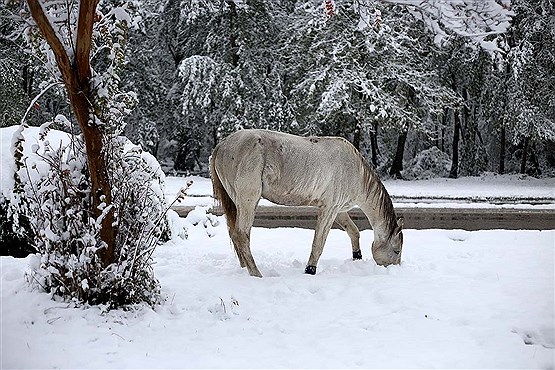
x=442, y=130
x=28, y=75
x=357, y=136
x=234, y=47
x=524, y=158
x=76, y=74
x=397, y=165
x=456, y=137
x=502, y=145
x=374, y=144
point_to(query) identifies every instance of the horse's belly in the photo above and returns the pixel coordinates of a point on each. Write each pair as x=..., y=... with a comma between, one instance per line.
x=288, y=199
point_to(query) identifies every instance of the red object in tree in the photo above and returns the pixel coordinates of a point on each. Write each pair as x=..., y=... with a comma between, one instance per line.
x=329, y=8
x=378, y=19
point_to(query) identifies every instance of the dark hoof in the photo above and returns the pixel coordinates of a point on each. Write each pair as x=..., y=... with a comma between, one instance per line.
x=357, y=255
x=311, y=270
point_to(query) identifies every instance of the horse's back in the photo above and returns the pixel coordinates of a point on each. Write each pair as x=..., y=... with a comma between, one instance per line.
x=289, y=169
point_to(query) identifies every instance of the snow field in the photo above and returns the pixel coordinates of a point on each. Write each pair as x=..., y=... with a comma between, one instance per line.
x=459, y=300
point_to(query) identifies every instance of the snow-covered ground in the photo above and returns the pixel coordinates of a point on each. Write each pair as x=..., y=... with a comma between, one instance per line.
x=460, y=299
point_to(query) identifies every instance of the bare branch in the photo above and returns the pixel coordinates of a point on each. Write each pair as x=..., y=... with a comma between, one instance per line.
x=87, y=11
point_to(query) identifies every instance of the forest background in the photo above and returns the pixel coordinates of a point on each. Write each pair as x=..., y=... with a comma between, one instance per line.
x=422, y=88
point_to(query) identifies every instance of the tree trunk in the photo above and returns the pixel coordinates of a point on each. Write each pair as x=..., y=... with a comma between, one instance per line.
x=442, y=131
x=101, y=189
x=77, y=74
x=356, y=136
x=456, y=137
x=28, y=75
x=397, y=165
x=234, y=47
x=374, y=144
x=524, y=157
x=502, y=145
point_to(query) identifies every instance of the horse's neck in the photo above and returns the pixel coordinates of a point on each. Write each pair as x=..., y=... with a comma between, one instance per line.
x=376, y=211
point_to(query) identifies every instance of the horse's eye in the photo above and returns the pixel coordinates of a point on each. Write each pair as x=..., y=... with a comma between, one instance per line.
x=397, y=252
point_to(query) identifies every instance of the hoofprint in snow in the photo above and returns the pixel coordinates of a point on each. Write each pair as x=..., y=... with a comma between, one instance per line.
x=459, y=300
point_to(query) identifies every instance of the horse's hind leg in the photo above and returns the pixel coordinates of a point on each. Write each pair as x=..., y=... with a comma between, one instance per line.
x=323, y=226
x=241, y=234
x=237, y=250
x=346, y=223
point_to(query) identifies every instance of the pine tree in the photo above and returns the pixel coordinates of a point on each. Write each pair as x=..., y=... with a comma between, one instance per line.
x=531, y=84
x=346, y=77
x=228, y=76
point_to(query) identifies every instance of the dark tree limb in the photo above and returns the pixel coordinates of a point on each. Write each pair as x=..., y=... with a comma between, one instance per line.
x=397, y=165
x=76, y=74
x=454, y=173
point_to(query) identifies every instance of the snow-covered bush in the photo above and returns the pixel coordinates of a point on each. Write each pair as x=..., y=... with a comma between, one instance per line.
x=96, y=207
x=428, y=164
x=53, y=190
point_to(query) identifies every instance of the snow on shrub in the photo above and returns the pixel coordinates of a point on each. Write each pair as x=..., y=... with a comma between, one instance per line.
x=52, y=189
x=428, y=164
x=207, y=221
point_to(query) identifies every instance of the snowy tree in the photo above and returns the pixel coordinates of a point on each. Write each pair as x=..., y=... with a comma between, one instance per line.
x=150, y=72
x=69, y=33
x=396, y=77
x=13, y=97
x=502, y=92
x=530, y=114
x=344, y=74
x=21, y=76
x=95, y=205
x=471, y=19
x=465, y=69
x=228, y=75
x=13, y=100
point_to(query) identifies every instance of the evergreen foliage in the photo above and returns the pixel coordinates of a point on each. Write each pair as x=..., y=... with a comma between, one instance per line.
x=472, y=78
x=386, y=75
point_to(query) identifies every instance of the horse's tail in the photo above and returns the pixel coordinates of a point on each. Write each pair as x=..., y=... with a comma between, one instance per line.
x=221, y=195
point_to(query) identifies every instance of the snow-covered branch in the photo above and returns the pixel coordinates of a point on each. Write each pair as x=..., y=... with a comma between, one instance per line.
x=474, y=19
x=45, y=25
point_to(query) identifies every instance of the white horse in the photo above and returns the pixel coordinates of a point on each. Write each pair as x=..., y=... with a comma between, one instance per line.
x=325, y=172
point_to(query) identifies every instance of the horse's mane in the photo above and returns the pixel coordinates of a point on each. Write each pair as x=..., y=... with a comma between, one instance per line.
x=377, y=193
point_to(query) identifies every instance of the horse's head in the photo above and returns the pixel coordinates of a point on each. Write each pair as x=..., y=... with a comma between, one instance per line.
x=388, y=252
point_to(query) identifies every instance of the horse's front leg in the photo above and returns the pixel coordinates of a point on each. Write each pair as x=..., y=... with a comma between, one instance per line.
x=323, y=226
x=346, y=223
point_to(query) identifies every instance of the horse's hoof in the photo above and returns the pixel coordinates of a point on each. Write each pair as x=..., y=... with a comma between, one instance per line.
x=357, y=255
x=311, y=270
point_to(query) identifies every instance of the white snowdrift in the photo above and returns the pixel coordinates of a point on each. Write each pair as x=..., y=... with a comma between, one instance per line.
x=56, y=139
